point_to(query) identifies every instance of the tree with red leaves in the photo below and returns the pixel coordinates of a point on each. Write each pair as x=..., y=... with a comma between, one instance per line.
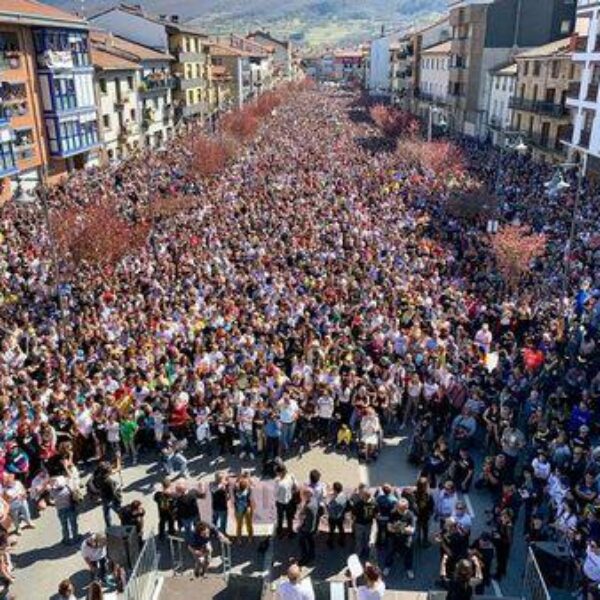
x=241, y=124
x=209, y=156
x=266, y=104
x=442, y=159
x=162, y=207
x=96, y=234
x=514, y=248
x=394, y=122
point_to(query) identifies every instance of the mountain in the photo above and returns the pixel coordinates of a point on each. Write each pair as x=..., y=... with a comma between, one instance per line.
x=316, y=22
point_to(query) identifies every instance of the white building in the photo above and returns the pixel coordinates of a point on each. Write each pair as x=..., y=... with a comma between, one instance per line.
x=379, y=76
x=583, y=96
x=434, y=68
x=501, y=85
x=117, y=83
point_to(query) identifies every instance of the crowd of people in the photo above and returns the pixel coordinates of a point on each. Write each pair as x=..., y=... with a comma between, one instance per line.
x=318, y=293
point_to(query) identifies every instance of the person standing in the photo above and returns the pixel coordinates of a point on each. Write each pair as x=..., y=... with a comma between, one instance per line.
x=93, y=552
x=307, y=527
x=336, y=511
x=288, y=415
x=401, y=527
x=109, y=490
x=363, y=509
x=66, y=509
x=243, y=506
x=219, y=496
x=245, y=420
x=424, y=507
x=165, y=503
x=286, y=499
x=16, y=496
x=186, y=508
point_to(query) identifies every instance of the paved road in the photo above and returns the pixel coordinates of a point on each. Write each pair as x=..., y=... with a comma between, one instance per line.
x=42, y=561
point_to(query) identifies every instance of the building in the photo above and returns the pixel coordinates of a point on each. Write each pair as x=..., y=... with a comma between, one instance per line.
x=235, y=88
x=190, y=48
x=544, y=76
x=283, y=55
x=118, y=79
x=431, y=35
x=347, y=66
x=48, y=117
x=583, y=95
x=434, y=69
x=401, y=69
x=261, y=62
x=502, y=83
x=487, y=34
x=154, y=87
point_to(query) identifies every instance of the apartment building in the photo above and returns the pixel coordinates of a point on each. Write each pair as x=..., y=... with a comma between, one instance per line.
x=434, y=69
x=544, y=75
x=401, y=69
x=118, y=79
x=583, y=96
x=192, y=65
x=48, y=117
x=487, y=34
x=236, y=63
x=502, y=84
x=261, y=62
x=283, y=57
x=431, y=35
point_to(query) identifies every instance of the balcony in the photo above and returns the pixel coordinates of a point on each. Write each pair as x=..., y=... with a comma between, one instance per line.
x=190, y=83
x=121, y=102
x=10, y=54
x=156, y=83
x=542, y=107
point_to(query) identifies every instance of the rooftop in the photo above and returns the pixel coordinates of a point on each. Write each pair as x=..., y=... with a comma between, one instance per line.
x=130, y=50
x=32, y=12
x=443, y=48
x=557, y=48
x=510, y=69
x=107, y=61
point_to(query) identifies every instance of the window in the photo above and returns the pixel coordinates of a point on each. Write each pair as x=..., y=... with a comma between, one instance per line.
x=102, y=85
x=537, y=67
x=565, y=26
x=555, y=69
x=526, y=68
x=188, y=71
x=198, y=72
x=130, y=82
x=198, y=96
x=504, y=84
x=188, y=45
x=190, y=97
x=64, y=94
x=106, y=121
x=497, y=86
x=7, y=159
x=132, y=114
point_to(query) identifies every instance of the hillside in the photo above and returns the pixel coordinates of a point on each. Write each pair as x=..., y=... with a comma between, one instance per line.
x=315, y=22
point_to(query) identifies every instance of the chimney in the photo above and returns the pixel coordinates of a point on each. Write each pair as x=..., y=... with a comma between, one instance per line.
x=174, y=18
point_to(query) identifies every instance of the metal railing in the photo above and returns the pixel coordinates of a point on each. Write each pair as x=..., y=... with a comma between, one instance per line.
x=145, y=577
x=181, y=556
x=534, y=586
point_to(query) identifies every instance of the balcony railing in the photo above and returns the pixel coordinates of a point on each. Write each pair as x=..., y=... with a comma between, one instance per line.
x=543, y=107
x=150, y=84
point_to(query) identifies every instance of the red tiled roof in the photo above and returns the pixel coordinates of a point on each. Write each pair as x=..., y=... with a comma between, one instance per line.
x=31, y=8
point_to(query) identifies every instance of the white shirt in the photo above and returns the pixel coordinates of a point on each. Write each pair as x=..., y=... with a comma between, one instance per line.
x=591, y=566
x=325, y=405
x=296, y=591
x=375, y=593
x=112, y=432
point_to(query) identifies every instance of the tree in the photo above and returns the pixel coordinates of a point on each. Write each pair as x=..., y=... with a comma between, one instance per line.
x=514, y=248
x=96, y=234
x=442, y=159
x=162, y=207
x=394, y=122
x=241, y=124
x=209, y=156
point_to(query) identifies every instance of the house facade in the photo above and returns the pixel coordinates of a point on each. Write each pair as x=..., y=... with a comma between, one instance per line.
x=502, y=84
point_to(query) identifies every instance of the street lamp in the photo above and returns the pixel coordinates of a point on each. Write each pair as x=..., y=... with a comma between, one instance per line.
x=555, y=188
x=442, y=122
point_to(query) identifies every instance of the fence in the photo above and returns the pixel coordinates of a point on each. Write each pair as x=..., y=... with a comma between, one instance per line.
x=534, y=586
x=145, y=577
x=181, y=556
